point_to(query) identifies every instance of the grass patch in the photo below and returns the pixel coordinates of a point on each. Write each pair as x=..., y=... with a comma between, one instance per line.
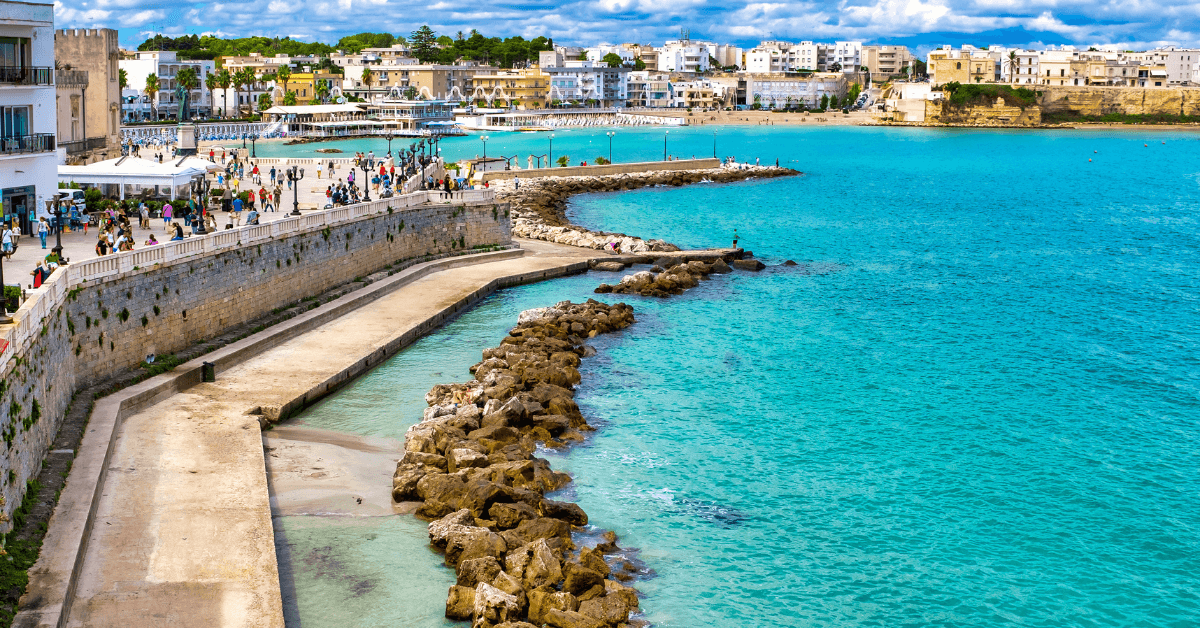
x=972, y=95
x=1061, y=117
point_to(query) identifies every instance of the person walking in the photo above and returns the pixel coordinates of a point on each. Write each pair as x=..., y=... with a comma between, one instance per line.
x=167, y=214
x=318, y=170
x=143, y=216
x=237, y=211
x=43, y=230
x=227, y=200
x=278, y=197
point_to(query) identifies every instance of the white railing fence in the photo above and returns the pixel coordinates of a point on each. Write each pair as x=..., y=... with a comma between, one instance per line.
x=43, y=301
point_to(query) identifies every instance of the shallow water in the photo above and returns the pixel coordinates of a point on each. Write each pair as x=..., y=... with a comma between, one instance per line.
x=974, y=403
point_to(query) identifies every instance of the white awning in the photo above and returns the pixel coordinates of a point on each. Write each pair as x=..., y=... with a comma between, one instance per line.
x=138, y=172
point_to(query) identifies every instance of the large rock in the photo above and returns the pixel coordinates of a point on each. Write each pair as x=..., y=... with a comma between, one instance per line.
x=469, y=543
x=479, y=495
x=594, y=560
x=460, y=603
x=719, y=266
x=612, y=588
x=493, y=606
x=535, y=564
x=571, y=513
x=579, y=578
x=440, y=530
x=472, y=572
x=404, y=482
x=608, y=609
x=465, y=459
x=508, y=516
x=571, y=619
x=748, y=264
x=541, y=602
x=534, y=529
x=440, y=486
x=512, y=586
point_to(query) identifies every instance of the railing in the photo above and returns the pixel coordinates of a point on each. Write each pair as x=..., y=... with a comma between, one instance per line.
x=26, y=75
x=35, y=143
x=42, y=301
x=82, y=146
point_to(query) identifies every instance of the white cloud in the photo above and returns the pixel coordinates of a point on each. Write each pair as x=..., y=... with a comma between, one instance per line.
x=584, y=22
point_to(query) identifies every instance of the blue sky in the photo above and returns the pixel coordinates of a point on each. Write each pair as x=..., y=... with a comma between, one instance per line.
x=921, y=24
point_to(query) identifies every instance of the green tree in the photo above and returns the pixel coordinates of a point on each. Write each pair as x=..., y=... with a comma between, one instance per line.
x=833, y=102
x=224, y=80
x=613, y=60
x=355, y=43
x=1012, y=66
x=367, y=76
x=321, y=91
x=283, y=74
x=563, y=161
x=855, y=91
x=245, y=78
x=264, y=102
x=152, y=87
x=424, y=44
x=825, y=101
x=289, y=99
x=123, y=79
x=583, y=56
x=639, y=65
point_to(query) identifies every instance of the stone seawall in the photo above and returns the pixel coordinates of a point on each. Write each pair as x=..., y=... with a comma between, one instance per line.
x=540, y=205
x=106, y=326
x=1099, y=101
x=639, y=167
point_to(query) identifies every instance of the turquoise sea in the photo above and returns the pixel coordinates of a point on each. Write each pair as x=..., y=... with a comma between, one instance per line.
x=975, y=402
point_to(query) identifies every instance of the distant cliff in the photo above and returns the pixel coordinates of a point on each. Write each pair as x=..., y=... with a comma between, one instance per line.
x=1170, y=104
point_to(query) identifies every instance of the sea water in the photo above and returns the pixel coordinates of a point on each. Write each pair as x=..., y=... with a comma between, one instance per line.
x=973, y=402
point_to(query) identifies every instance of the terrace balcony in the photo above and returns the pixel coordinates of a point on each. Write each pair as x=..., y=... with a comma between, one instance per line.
x=26, y=75
x=33, y=143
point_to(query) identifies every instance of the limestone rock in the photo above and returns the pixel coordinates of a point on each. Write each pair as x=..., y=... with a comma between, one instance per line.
x=508, y=516
x=719, y=266
x=611, y=267
x=465, y=459
x=534, y=529
x=473, y=571
x=592, y=559
x=460, y=603
x=608, y=609
x=748, y=264
x=541, y=602
x=469, y=543
x=579, y=578
x=571, y=619
x=535, y=564
x=493, y=606
x=613, y=588
x=440, y=530
x=571, y=513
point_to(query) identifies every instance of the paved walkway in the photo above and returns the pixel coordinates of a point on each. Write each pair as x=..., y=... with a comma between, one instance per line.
x=182, y=535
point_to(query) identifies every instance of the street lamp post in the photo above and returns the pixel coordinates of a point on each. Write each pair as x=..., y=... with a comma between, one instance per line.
x=366, y=182
x=665, y=145
x=253, y=138
x=200, y=189
x=244, y=140
x=4, y=317
x=484, y=138
x=610, y=135
x=295, y=174
x=58, y=232
x=714, y=144
x=550, y=159
x=389, y=137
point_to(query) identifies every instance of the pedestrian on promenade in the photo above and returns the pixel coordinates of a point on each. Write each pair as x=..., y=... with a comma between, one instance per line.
x=143, y=217
x=265, y=199
x=516, y=183
x=250, y=199
x=318, y=170
x=211, y=155
x=167, y=214
x=42, y=230
x=101, y=245
x=237, y=211
x=278, y=197
x=272, y=174
x=227, y=199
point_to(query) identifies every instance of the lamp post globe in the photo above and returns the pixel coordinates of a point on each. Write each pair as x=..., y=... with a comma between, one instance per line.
x=610, y=135
x=484, y=139
x=366, y=182
x=550, y=158
x=295, y=174
x=665, y=145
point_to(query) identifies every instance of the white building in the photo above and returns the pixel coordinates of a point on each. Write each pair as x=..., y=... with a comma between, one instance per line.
x=649, y=89
x=596, y=54
x=1179, y=62
x=773, y=90
x=581, y=81
x=165, y=65
x=781, y=56
x=28, y=117
x=848, y=55
x=685, y=55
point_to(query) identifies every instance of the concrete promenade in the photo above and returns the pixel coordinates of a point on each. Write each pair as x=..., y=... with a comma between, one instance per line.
x=180, y=532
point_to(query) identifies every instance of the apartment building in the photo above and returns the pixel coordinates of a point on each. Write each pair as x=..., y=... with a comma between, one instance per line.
x=88, y=94
x=428, y=81
x=526, y=87
x=701, y=94
x=310, y=88
x=885, y=61
x=791, y=90
x=649, y=89
x=966, y=65
x=28, y=157
x=781, y=56
x=581, y=81
x=847, y=55
x=646, y=53
x=596, y=54
x=695, y=57
x=1027, y=69
x=164, y=105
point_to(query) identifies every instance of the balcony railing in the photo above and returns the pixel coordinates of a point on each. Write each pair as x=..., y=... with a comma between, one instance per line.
x=36, y=143
x=26, y=75
x=82, y=146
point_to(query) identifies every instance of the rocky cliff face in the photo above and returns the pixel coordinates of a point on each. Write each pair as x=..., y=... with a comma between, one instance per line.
x=1099, y=101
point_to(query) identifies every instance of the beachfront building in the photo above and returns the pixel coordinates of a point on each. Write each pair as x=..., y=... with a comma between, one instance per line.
x=646, y=53
x=701, y=94
x=1026, y=71
x=525, y=88
x=791, y=89
x=314, y=87
x=586, y=82
x=88, y=94
x=845, y=56
x=1178, y=63
x=886, y=61
x=165, y=64
x=428, y=81
x=596, y=54
x=781, y=56
x=649, y=89
x=695, y=57
x=28, y=160
x=966, y=65
x=397, y=54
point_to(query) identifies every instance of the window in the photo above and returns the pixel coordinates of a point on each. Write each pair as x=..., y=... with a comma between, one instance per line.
x=14, y=121
x=958, y=66
x=14, y=51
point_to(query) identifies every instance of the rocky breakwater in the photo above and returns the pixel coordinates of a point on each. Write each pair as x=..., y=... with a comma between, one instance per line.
x=540, y=205
x=471, y=462
x=671, y=276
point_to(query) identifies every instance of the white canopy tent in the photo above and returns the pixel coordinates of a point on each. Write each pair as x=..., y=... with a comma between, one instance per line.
x=137, y=174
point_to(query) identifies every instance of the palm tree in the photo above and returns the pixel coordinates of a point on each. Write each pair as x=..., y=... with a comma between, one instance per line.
x=152, y=91
x=244, y=78
x=321, y=91
x=366, y=79
x=211, y=82
x=224, y=80
x=1012, y=66
x=283, y=74
x=289, y=99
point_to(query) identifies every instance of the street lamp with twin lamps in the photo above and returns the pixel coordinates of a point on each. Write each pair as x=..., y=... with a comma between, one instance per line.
x=294, y=174
x=610, y=135
x=389, y=137
x=366, y=182
x=200, y=189
x=253, y=138
x=484, y=138
x=665, y=145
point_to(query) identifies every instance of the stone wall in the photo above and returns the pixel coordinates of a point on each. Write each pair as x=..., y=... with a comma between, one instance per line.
x=1098, y=101
x=96, y=329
